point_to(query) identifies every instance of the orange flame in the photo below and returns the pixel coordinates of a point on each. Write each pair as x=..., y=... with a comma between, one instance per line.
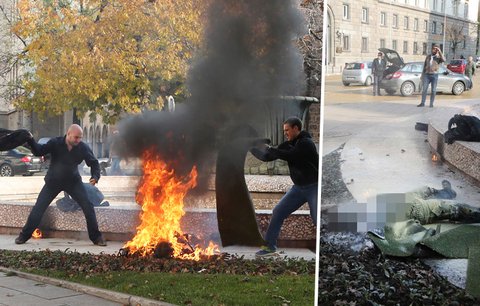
x=37, y=234
x=161, y=195
x=435, y=157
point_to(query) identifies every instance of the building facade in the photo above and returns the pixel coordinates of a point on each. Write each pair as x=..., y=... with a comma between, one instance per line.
x=356, y=29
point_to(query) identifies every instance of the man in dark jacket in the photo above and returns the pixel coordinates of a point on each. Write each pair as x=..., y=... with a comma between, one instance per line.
x=378, y=68
x=301, y=154
x=67, y=153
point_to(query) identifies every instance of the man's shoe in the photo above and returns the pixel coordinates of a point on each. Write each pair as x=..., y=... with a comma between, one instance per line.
x=100, y=242
x=20, y=240
x=266, y=252
x=420, y=105
x=431, y=105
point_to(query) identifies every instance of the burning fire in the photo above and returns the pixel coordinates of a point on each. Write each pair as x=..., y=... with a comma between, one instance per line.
x=161, y=195
x=435, y=157
x=37, y=234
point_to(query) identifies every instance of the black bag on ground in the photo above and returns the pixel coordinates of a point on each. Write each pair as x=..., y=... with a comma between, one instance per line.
x=467, y=128
x=67, y=204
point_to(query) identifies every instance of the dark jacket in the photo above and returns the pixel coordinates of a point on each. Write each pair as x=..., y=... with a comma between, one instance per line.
x=301, y=155
x=379, y=66
x=432, y=66
x=64, y=164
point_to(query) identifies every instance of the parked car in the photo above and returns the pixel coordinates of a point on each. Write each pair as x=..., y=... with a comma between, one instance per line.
x=406, y=77
x=357, y=73
x=457, y=65
x=47, y=158
x=19, y=161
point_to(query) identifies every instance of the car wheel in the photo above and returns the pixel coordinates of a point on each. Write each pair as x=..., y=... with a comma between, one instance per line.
x=407, y=89
x=6, y=170
x=346, y=84
x=458, y=88
x=390, y=91
x=368, y=81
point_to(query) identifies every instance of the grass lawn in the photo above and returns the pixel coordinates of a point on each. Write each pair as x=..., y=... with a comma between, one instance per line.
x=216, y=280
x=203, y=289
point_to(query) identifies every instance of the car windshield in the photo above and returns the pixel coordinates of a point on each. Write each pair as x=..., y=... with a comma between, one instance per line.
x=22, y=150
x=413, y=67
x=456, y=62
x=351, y=66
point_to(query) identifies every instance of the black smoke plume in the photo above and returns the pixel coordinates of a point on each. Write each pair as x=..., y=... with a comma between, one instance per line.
x=248, y=58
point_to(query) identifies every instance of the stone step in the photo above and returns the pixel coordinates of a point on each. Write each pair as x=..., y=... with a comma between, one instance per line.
x=119, y=222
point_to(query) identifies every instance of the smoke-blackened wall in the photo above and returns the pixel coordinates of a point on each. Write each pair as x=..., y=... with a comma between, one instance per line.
x=248, y=57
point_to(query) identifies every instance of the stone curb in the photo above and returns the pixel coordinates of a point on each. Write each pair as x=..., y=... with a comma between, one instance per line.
x=124, y=299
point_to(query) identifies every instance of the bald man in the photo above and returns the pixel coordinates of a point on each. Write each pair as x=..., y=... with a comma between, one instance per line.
x=67, y=153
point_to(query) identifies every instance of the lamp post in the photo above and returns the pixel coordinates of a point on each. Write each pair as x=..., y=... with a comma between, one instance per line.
x=444, y=24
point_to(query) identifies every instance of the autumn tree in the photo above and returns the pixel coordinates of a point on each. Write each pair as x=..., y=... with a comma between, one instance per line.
x=105, y=56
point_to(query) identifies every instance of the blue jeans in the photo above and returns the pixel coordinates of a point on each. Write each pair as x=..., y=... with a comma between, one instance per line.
x=116, y=166
x=290, y=202
x=48, y=193
x=431, y=79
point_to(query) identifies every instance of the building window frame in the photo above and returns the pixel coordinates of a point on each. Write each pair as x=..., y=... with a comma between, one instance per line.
x=346, y=11
x=394, y=45
x=415, y=47
x=415, y=24
x=364, y=14
x=405, y=47
x=383, y=43
x=425, y=25
x=406, y=23
x=424, y=48
x=346, y=42
x=395, y=21
x=383, y=19
x=434, y=27
x=364, y=46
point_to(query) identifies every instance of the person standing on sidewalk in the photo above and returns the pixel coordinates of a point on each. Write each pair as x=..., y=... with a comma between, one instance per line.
x=470, y=69
x=430, y=74
x=67, y=153
x=303, y=160
x=378, y=68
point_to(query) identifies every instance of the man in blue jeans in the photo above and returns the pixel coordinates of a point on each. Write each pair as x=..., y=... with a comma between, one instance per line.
x=301, y=154
x=430, y=74
x=67, y=153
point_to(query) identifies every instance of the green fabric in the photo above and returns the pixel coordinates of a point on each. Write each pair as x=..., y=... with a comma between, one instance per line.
x=456, y=242
x=405, y=238
x=401, y=238
x=473, y=272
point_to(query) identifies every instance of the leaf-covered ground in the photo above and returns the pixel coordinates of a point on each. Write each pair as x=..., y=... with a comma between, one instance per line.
x=352, y=274
x=74, y=262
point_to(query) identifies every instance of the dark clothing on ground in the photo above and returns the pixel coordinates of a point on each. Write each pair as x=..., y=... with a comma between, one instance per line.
x=301, y=155
x=63, y=175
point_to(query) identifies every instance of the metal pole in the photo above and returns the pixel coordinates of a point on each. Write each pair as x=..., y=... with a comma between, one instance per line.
x=444, y=24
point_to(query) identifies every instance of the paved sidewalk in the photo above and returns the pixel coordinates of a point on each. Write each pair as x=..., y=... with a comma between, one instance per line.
x=23, y=289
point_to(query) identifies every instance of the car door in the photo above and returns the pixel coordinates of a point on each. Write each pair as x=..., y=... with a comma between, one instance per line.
x=444, y=79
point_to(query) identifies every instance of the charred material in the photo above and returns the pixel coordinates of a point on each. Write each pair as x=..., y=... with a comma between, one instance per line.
x=235, y=212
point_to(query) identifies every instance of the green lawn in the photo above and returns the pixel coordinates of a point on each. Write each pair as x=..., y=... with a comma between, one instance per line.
x=203, y=289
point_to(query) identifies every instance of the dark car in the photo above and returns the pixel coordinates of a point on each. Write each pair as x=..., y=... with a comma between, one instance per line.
x=19, y=161
x=457, y=65
x=406, y=77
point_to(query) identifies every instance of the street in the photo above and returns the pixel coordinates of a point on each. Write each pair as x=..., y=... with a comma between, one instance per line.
x=383, y=153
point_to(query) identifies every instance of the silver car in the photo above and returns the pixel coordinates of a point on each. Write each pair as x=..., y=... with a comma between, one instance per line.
x=406, y=78
x=357, y=73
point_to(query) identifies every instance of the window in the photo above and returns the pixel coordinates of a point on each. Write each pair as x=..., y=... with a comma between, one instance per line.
x=435, y=5
x=424, y=48
x=455, y=8
x=464, y=43
x=442, y=4
x=395, y=21
x=417, y=2
x=346, y=42
x=442, y=28
x=405, y=46
x=382, y=43
x=394, y=44
x=465, y=11
x=415, y=24
x=425, y=25
x=415, y=47
x=383, y=19
x=365, y=15
x=405, y=23
x=364, y=44
x=434, y=27
x=346, y=11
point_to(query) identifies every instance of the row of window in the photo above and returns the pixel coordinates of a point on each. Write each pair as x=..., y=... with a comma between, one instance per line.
x=364, y=47
x=383, y=18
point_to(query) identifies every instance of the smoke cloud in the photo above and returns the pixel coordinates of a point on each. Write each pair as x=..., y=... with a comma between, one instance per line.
x=248, y=58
